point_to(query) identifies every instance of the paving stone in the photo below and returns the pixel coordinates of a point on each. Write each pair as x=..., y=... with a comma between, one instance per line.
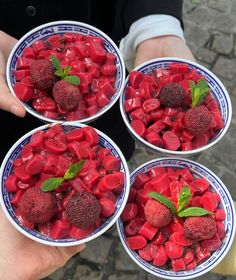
x=229, y=178
x=210, y=276
x=222, y=5
x=123, y=260
x=223, y=43
x=201, y=16
x=197, y=35
x=225, y=67
x=84, y=272
x=97, y=250
x=205, y=55
x=122, y=276
x=234, y=94
x=224, y=23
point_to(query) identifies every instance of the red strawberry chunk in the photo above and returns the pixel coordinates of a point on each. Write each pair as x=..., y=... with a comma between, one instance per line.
x=79, y=233
x=138, y=127
x=35, y=165
x=23, y=92
x=148, y=231
x=209, y=202
x=220, y=229
x=107, y=207
x=11, y=183
x=220, y=214
x=133, y=226
x=136, y=242
x=111, y=163
x=159, y=239
x=178, y=264
x=135, y=79
x=140, y=180
x=130, y=212
x=179, y=238
x=189, y=256
x=111, y=181
x=151, y=104
x=155, y=139
x=148, y=252
x=75, y=135
x=54, y=146
x=132, y=104
x=212, y=244
x=191, y=265
x=161, y=257
x=179, y=68
x=173, y=250
x=96, y=52
x=171, y=141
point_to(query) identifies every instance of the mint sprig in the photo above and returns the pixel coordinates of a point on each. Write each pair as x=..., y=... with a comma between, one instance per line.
x=193, y=212
x=183, y=200
x=64, y=73
x=163, y=200
x=198, y=91
x=53, y=183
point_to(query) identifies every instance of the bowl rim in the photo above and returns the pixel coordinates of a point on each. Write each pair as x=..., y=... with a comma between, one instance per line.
x=119, y=223
x=163, y=151
x=57, y=242
x=119, y=56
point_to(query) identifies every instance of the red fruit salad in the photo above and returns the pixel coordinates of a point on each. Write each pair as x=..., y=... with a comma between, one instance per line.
x=64, y=184
x=50, y=87
x=172, y=108
x=172, y=219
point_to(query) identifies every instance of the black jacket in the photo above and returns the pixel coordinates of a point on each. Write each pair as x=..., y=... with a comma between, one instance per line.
x=112, y=17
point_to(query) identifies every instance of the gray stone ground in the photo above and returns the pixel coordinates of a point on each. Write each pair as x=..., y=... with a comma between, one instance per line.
x=210, y=30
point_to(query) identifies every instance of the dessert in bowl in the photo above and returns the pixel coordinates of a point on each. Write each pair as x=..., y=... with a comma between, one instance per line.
x=179, y=219
x=66, y=71
x=174, y=106
x=64, y=184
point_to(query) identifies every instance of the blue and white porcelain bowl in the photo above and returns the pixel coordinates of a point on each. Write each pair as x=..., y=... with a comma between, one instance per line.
x=218, y=91
x=198, y=171
x=44, y=31
x=5, y=196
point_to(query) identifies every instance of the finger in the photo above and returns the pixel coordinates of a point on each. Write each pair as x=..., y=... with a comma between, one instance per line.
x=8, y=102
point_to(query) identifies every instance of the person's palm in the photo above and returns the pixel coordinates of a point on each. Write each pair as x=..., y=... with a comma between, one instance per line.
x=25, y=256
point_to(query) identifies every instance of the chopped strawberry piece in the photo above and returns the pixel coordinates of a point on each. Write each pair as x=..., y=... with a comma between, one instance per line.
x=148, y=231
x=161, y=257
x=130, y=212
x=136, y=242
x=148, y=252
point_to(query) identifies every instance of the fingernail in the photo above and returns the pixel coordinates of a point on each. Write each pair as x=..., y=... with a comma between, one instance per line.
x=15, y=110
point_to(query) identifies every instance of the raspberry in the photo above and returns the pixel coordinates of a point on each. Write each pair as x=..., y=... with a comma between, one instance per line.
x=197, y=120
x=157, y=214
x=172, y=95
x=199, y=228
x=42, y=74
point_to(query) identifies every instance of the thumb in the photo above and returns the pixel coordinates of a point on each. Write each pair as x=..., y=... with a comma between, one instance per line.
x=7, y=101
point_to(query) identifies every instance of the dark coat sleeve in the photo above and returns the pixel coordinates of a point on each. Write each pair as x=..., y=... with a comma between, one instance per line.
x=129, y=11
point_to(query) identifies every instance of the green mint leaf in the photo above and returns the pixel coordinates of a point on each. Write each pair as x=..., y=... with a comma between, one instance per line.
x=184, y=197
x=73, y=170
x=194, y=212
x=51, y=184
x=59, y=73
x=198, y=91
x=66, y=71
x=163, y=200
x=74, y=80
x=56, y=63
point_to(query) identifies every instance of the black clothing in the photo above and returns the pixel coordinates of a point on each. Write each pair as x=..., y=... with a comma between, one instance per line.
x=112, y=17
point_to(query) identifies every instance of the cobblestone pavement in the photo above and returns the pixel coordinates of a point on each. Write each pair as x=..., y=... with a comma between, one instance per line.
x=210, y=30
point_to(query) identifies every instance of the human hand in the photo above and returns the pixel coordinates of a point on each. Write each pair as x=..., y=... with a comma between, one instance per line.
x=7, y=101
x=163, y=46
x=24, y=259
